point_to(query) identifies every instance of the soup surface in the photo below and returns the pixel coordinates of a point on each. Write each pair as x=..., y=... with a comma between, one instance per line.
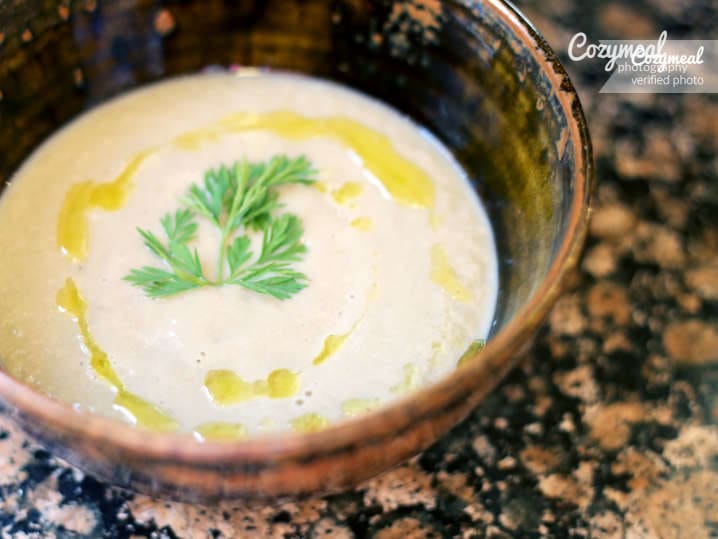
x=356, y=268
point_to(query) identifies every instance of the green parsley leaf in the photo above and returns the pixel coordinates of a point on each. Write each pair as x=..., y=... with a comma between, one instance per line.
x=238, y=253
x=237, y=200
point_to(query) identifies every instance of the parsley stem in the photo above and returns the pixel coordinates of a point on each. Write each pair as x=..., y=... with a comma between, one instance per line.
x=220, y=261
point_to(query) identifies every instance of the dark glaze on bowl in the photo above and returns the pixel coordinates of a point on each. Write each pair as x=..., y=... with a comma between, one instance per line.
x=476, y=73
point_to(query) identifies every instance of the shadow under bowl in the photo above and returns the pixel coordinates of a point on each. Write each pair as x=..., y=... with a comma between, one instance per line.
x=475, y=73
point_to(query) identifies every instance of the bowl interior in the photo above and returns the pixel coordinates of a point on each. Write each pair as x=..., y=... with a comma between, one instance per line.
x=468, y=79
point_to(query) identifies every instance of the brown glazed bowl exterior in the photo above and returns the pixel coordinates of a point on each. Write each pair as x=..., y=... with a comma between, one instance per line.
x=474, y=72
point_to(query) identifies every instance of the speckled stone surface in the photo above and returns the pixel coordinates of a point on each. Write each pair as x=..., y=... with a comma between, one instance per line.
x=607, y=430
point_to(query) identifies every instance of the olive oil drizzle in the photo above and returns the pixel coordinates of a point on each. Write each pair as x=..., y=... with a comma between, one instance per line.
x=73, y=229
x=144, y=413
x=407, y=183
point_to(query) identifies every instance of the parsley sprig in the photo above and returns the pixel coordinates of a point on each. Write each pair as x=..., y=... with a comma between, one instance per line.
x=237, y=200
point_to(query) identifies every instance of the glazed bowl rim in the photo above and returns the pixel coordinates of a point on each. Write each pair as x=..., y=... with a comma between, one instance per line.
x=387, y=420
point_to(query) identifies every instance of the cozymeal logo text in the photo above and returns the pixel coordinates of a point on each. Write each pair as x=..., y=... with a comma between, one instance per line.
x=638, y=53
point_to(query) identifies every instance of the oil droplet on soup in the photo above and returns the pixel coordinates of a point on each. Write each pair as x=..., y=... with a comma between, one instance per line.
x=355, y=407
x=409, y=381
x=220, y=432
x=444, y=275
x=331, y=344
x=347, y=192
x=309, y=423
x=362, y=223
x=143, y=413
x=227, y=388
x=471, y=352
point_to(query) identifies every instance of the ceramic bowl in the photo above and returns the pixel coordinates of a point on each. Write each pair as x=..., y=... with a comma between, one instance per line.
x=474, y=72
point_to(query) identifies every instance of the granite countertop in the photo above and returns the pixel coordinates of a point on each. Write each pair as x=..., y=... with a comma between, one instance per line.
x=607, y=430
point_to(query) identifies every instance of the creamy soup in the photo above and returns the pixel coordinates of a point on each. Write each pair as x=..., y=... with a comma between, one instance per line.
x=380, y=270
